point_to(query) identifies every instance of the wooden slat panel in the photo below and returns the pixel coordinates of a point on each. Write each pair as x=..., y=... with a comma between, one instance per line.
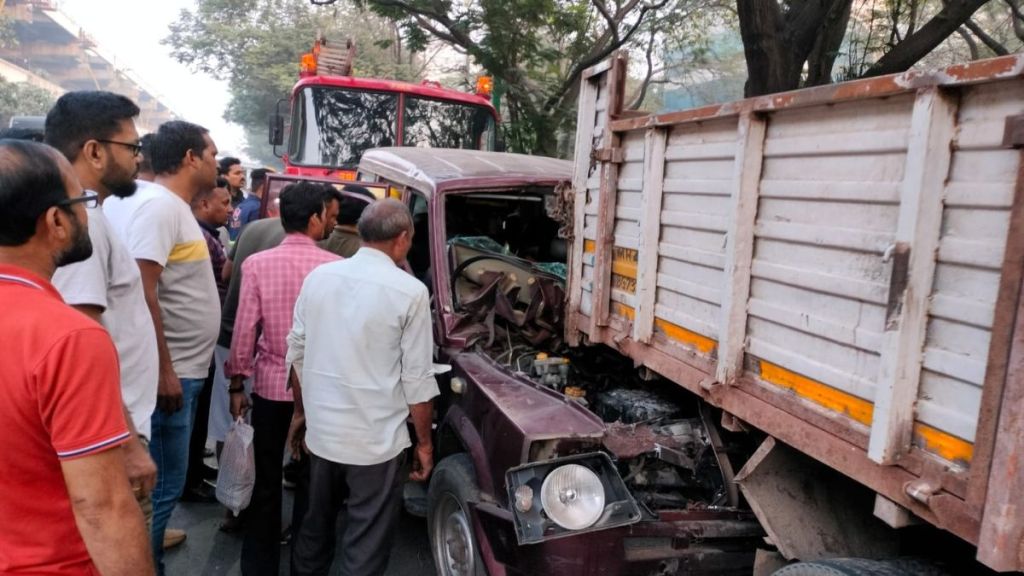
x=655, y=142
x=739, y=249
x=928, y=161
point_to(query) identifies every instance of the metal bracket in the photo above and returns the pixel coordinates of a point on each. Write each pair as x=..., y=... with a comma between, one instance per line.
x=611, y=155
x=1013, y=133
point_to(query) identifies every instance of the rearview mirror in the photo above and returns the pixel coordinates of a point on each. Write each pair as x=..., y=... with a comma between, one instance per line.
x=276, y=129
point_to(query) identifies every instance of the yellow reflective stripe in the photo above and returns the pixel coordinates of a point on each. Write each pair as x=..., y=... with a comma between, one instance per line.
x=675, y=332
x=189, y=252
x=946, y=445
x=589, y=246
x=822, y=394
x=927, y=437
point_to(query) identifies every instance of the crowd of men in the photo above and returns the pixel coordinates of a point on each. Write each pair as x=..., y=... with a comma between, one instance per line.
x=137, y=326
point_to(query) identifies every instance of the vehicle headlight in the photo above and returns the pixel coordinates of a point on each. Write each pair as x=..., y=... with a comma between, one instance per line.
x=577, y=494
x=573, y=496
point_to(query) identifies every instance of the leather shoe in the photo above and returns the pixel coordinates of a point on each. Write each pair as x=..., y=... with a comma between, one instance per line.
x=201, y=492
x=173, y=537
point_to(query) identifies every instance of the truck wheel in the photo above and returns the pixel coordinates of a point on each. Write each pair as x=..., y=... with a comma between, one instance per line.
x=858, y=567
x=452, y=540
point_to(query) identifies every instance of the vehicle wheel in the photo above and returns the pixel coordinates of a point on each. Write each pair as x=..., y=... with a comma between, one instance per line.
x=858, y=567
x=452, y=541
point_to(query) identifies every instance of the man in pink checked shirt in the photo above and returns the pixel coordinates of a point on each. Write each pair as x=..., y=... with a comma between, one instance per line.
x=271, y=283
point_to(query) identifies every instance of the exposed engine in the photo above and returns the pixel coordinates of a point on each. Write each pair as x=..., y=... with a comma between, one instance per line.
x=509, y=300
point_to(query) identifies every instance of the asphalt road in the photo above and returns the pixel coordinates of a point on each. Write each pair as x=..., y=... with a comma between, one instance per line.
x=209, y=552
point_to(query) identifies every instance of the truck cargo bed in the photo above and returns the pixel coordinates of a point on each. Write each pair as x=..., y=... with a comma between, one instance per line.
x=838, y=266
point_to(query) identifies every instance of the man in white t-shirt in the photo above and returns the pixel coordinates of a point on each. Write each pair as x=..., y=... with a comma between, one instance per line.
x=168, y=246
x=96, y=132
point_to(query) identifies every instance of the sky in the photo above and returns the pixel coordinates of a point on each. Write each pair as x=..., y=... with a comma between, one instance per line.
x=129, y=32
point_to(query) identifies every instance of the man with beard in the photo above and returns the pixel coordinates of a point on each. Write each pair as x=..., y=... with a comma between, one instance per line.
x=271, y=283
x=181, y=295
x=65, y=498
x=96, y=132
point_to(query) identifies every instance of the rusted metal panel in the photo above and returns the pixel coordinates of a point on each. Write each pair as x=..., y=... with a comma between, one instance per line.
x=999, y=350
x=807, y=509
x=1001, y=545
x=1013, y=135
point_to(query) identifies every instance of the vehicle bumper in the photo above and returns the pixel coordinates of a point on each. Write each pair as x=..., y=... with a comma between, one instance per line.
x=679, y=542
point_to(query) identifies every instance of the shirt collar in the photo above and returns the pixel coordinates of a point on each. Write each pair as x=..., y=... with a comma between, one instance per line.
x=297, y=239
x=23, y=277
x=374, y=254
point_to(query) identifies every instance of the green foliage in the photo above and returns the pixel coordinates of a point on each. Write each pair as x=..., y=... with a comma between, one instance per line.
x=256, y=45
x=537, y=49
x=8, y=37
x=22, y=99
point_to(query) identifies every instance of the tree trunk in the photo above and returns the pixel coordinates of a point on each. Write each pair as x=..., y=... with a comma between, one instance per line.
x=916, y=46
x=767, y=61
x=777, y=43
x=826, y=48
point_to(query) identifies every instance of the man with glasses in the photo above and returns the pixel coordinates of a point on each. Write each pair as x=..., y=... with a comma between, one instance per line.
x=65, y=497
x=96, y=132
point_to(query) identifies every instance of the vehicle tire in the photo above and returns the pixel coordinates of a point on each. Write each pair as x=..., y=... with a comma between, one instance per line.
x=452, y=541
x=858, y=567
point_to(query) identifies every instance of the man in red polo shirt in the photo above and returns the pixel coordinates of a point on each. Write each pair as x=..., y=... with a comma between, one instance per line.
x=66, y=506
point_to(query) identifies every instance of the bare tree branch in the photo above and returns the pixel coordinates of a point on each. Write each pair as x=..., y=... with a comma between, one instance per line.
x=1018, y=18
x=987, y=40
x=613, y=24
x=969, y=40
x=917, y=45
x=641, y=92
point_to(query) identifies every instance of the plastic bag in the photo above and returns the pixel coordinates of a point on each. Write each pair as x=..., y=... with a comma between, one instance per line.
x=237, y=471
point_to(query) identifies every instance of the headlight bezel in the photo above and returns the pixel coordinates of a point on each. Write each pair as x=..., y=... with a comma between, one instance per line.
x=534, y=525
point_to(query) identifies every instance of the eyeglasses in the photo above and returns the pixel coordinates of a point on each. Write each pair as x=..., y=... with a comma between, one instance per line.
x=88, y=198
x=136, y=148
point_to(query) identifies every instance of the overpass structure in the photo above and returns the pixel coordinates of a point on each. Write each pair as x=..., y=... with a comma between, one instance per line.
x=55, y=54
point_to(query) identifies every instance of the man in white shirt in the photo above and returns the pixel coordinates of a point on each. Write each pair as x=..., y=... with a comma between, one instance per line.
x=361, y=347
x=96, y=132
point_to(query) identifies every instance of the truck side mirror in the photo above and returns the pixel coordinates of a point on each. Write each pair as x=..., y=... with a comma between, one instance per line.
x=276, y=129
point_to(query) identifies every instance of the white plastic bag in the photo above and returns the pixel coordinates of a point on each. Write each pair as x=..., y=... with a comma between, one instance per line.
x=237, y=470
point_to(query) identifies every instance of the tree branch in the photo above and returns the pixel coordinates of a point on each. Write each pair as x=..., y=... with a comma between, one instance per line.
x=638, y=99
x=987, y=40
x=613, y=24
x=917, y=45
x=1018, y=19
x=971, y=44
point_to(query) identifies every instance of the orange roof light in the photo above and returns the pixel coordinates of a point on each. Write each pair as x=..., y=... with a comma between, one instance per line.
x=307, y=65
x=484, y=86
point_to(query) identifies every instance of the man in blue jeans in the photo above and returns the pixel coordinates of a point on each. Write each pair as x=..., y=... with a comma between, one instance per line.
x=181, y=295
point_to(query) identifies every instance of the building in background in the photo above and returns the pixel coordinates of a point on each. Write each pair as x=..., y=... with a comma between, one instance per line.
x=43, y=51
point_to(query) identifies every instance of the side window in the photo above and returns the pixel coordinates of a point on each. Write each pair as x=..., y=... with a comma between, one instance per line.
x=419, y=254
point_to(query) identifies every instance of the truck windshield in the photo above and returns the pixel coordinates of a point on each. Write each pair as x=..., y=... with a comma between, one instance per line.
x=438, y=124
x=333, y=126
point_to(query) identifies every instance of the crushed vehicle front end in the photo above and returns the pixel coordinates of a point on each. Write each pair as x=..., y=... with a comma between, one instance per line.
x=582, y=464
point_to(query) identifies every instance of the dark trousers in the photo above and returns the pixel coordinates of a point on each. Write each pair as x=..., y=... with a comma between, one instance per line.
x=371, y=517
x=197, y=442
x=261, y=548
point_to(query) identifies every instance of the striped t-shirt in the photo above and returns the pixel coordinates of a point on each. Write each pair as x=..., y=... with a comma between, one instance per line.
x=163, y=230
